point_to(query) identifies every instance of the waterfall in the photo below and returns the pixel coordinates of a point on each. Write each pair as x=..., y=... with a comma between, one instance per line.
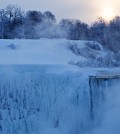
x=35, y=100
x=103, y=90
x=98, y=87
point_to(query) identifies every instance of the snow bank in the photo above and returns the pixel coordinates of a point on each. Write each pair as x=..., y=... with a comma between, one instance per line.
x=48, y=51
x=44, y=51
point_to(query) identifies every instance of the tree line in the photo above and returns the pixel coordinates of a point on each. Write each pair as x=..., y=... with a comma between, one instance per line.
x=15, y=23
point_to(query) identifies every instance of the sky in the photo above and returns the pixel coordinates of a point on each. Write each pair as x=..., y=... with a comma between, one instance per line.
x=85, y=10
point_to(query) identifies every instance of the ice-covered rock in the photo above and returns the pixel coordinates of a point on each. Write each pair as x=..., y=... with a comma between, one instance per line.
x=36, y=100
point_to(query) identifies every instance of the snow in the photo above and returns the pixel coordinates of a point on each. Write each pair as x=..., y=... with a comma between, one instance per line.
x=43, y=51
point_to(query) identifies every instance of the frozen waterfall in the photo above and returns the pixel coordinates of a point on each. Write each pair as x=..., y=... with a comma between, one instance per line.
x=39, y=100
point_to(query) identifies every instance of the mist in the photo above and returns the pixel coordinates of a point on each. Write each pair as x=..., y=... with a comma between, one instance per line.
x=110, y=113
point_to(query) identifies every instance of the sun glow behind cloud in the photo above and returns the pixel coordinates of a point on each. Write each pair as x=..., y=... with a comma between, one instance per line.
x=108, y=9
x=108, y=13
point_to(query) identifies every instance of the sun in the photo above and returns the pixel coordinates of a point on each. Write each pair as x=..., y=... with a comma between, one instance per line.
x=107, y=13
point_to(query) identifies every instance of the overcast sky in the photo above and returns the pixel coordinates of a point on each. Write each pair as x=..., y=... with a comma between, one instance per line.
x=85, y=10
